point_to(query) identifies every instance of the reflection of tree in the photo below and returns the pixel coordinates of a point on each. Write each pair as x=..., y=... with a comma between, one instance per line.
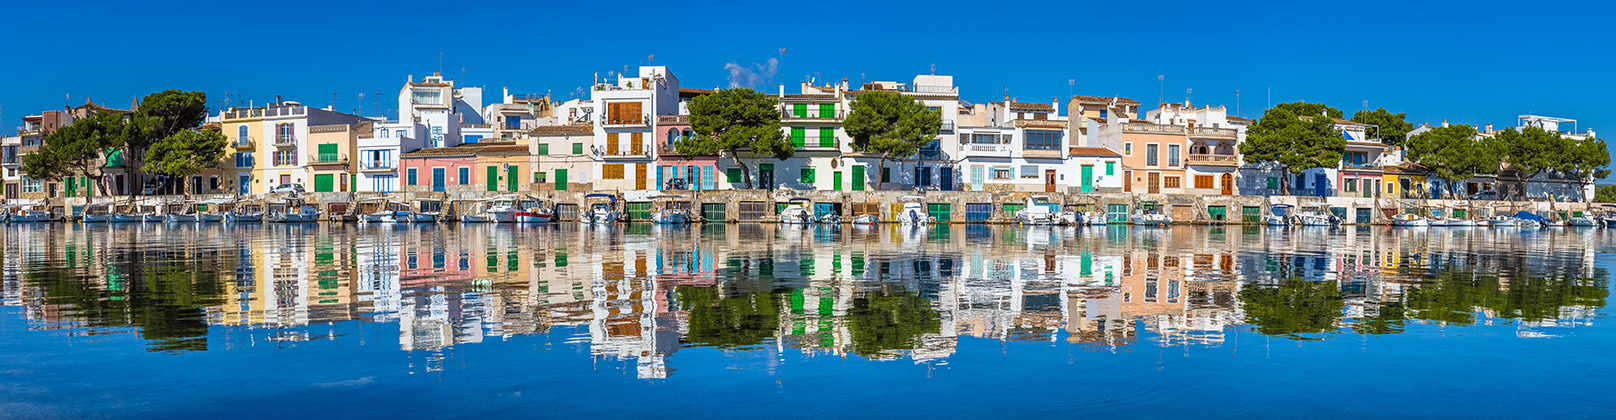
x=883, y=323
x=1455, y=296
x=1293, y=308
x=1389, y=318
x=166, y=302
x=728, y=322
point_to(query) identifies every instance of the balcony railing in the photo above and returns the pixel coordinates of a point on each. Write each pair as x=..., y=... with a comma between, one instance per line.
x=789, y=114
x=624, y=152
x=987, y=149
x=931, y=155
x=243, y=142
x=1364, y=165
x=328, y=158
x=377, y=165
x=1209, y=132
x=620, y=121
x=1213, y=160
x=1152, y=128
x=244, y=113
x=10, y=160
x=284, y=140
x=948, y=127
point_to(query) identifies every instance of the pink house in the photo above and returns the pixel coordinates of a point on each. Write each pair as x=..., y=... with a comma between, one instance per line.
x=442, y=169
x=676, y=171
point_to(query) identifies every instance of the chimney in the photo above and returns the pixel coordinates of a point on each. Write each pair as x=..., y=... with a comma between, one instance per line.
x=408, y=78
x=782, y=90
x=1444, y=122
x=277, y=99
x=1489, y=127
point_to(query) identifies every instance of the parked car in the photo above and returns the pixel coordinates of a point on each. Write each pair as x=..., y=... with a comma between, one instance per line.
x=1485, y=195
x=287, y=188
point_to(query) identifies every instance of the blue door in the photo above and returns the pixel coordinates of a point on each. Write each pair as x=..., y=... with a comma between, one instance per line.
x=822, y=209
x=437, y=179
x=946, y=181
x=1321, y=184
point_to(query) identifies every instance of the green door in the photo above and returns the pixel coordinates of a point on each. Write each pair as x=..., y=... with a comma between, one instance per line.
x=72, y=185
x=836, y=180
x=561, y=180
x=1088, y=178
x=492, y=179
x=511, y=178
x=324, y=182
x=639, y=211
x=858, y=177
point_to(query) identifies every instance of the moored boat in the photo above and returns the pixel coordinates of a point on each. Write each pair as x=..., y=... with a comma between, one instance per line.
x=913, y=211
x=602, y=210
x=1410, y=220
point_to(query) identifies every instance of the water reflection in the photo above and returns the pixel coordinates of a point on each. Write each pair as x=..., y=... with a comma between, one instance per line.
x=638, y=294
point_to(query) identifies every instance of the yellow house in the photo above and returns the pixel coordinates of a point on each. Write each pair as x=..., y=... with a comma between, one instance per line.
x=1406, y=181
x=506, y=168
x=242, y=126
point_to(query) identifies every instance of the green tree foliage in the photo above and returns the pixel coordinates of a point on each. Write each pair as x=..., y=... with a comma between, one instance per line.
x=892, y=125
x=171, y=111
x=1590, y=160
x=735, y=120
x=185, y=153
x=728, y=322
x=884, y=323
x=76, y=149
x=1605, y=194
x=1452, y=153
x=1390, y=128
x=1293, y=308
x=1294, y=136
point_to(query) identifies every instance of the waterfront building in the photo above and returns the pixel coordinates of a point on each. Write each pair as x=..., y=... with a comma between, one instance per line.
x=331, y=164
x=444, y=169
x=1214, y=145
x=1358, y=175
x=11, y=161
x=933, y=168
x=505, y=167
x=243, y=129
x=1152, y=154
x=687, y=172
x=625, y=125
x=1022, y=146
x=285, y=140
x=516, y=114
x=560, y=155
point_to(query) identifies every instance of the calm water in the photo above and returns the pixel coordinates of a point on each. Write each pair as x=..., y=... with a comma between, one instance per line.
x=766, y=321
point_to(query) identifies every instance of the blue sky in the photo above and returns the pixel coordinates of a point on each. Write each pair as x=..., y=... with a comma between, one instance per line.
x=1468, y=62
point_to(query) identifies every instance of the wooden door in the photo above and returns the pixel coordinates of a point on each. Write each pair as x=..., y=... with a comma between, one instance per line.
x=639, y=176
x=1228, y=184
x=1153, y=182
x=1049, y=180
x=1127, y=181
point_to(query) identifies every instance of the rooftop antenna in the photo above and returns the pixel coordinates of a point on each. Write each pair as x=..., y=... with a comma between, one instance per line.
x=361, y=104
x=861, y=80
x=463, y=77
x=934, y=69
x=440, y=62
x=334, y=99
x=1187, y=93
x=1366, y=105
x=651, y=58
x=376, y=101
x=782, y=64
x=1071, y=87
x=1270, y=97
x=1237, y=104
x=1161, y=88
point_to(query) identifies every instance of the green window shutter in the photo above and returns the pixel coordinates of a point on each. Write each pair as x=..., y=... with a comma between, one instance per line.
x=858, y=177
x=1273, y=183
x=799, y=136
x=492, y=179
x=733, y=175
x=808, y=176
x=827, y=137
x=577, y=148
x=1110, y=168
x=886, y=174
x=827, y=110
x=328, y=152
x=799, y=110
x=544, y=149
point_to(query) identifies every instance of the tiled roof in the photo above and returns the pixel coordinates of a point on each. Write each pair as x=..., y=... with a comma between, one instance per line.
x=562, y=129
x=1104, y=99
x=466, y=149
x=1238, y=119
x=1365, y=143
x=1091, y=151
x=1030, y=106
x=509, y=149
x=1041, y=123
x=809, y=96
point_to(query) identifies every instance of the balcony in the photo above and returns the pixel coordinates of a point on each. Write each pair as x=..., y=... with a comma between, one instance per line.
x=627, y=152
x=378, y=165
x=10, y=160
x=1207, y=159
x=285, y=140
x=1149, y=128
x=328, y=159
x=244, y=113
x=243, y=143
x=1041, y=154
x=622, y=121
x=985, y=150
x=931, y=155
x=813, y=115
x=948, y=127
x=1214, y=133
x=1372, y=166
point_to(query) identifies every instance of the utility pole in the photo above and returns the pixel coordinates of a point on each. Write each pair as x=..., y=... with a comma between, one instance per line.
x=361, y=104
x=1161, y=88
x=1237, y=104
x=1071, y=87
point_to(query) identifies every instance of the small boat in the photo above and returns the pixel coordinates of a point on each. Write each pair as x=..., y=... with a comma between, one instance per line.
x=666, y=213
x=244, y=217
x=1583, y=221
x=865, y=219
x=126, y=218
x=297, y=211
x=796, y=212
x=1037, y=212
x=434, y=216
x=1502, y=221
x=505, y=208
x=97, y=213
x=215, y=210
x=830, y=219
x=913, y=211
x=602, y=210
x=152, y=217
x=18, y=214
x=1095, y=218
x=1410, y=220
x=540, y=210
x=1277, y=215
x=1316, y=216
x=1149, y=214
x=1460, y=223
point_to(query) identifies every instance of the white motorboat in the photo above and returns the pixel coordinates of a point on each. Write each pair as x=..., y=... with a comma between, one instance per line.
x=1460, y=222
x=1502, y=221
x=830, y=219
x=796, y=212
x=1095, y=218
x=1316, y=216
x=297, y=211
x=913, y=211
x=1141, y=218
x=1277, y=215
x=1583, y=221
x=1037, y=212
x=1410, y=220
x=602, y=210
x=865, y=219
x=505, y=208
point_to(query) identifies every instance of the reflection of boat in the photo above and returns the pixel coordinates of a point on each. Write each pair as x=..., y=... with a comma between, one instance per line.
x=1409, y=220
x=1277, y=215
x=600, y=212
x=913, y=211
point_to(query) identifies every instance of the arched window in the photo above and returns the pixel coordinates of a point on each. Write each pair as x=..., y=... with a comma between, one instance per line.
x=1224, y=148
x=673, y=135
x=241, y=133
x=1198, y=149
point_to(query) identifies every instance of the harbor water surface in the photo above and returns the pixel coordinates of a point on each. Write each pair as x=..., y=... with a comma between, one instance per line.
x=384, y=321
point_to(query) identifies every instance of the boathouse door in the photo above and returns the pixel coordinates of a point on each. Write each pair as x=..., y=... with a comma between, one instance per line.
x=1049, y=180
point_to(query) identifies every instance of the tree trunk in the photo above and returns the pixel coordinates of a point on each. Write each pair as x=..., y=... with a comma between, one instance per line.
x=1284, y=180
x=880, y=168
x=746, y=173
